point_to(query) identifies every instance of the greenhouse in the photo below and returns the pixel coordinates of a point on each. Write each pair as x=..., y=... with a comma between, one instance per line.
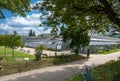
x=96, y=43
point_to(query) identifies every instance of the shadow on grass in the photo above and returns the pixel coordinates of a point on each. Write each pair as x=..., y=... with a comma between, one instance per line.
x=63, y=59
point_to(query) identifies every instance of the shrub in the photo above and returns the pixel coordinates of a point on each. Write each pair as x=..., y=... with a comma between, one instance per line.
x=1, y=58
x=76, y=78
x=117, y=77
x=38, y=51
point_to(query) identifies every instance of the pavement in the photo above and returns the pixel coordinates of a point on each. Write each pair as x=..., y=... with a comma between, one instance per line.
x=62, y=72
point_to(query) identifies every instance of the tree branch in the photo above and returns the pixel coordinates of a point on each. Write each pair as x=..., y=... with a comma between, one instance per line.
x=112, y=16
x=97, y=9
x=119, y=1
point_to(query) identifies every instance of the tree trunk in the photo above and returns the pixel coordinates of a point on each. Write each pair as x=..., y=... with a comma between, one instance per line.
x=112, y=16
x=5, y=51
x=12, y=53
x=77, y=51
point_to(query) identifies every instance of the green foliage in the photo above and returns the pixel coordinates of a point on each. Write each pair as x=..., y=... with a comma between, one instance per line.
x=117, y=77
x=15, y=7
x=38, y=56
x=83, y=77
x=79, y=16
x=1, y=58
x=76, y=17
x=15, y=33
x=4, y=40
x=89, y=13
x=87, y=75
x=38, y=51
x=18, y=54
x=19, y=64
x=107, y=72
x=14, y=41
x=78, y=36
x=10, y=41
x=31, y=33
x=76, y=78
x=109, y=51
x=66, y=58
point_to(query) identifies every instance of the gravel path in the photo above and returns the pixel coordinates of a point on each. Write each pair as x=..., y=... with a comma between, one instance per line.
x=49, y=53
x=62, y=72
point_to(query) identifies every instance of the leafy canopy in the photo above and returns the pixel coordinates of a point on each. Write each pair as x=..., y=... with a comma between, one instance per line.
x=31, y=33
x=14, y=6
x=10, y=40
x=93, y=14
x=76, y=17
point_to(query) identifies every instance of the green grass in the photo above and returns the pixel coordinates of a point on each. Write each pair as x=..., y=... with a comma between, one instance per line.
x=17, y=54
x=13, y=66
x=107, y=72
x=108, y=51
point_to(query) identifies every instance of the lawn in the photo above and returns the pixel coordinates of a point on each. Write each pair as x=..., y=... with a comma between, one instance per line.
x=107, y=72
x=17, y=54
x=108, y=51
x=19, y=64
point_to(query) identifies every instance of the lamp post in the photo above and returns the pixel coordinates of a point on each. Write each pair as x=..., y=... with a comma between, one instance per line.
x=56, y=50
x=88, y=52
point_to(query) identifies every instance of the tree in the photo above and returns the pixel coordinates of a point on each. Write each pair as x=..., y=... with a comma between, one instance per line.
x=77, y=34
x=15, y=33
x=14, y=41
x=1, y=40
x=78, y=37
x=14, y=6
x=10, y=41
x=38, y=51
x=93, y=15
x=4, y=42
x=31, y=33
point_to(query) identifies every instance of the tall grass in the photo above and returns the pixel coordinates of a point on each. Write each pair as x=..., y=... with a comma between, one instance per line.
x=107, y=72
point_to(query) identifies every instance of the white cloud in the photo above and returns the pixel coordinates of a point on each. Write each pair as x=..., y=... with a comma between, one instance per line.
x=47, y=31
x=40, y=28
x=23, y=25
x=28, y=28
x=29, y=20
x=6, y=27
x=34, y=16
x=38, y=4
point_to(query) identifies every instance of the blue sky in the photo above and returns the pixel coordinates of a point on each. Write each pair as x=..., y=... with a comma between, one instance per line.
x=20, y=24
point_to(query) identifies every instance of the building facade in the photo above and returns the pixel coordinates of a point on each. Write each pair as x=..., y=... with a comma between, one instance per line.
x=96, y=43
